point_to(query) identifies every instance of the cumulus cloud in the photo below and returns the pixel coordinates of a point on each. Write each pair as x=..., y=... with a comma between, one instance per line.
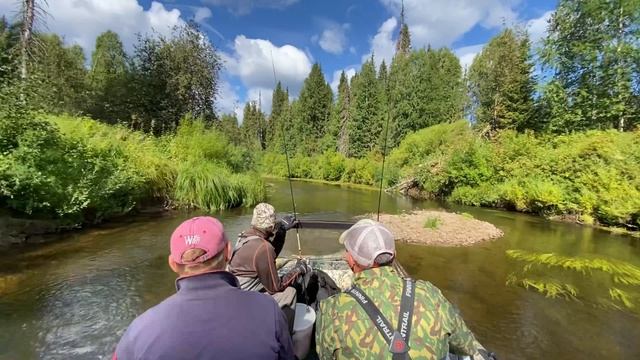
x=538, y=27
x=244, y=7
x=444, y=21
x=382, y=44
x=251, y=61
x=349, y=72
x=466, y=54
x=334, y=38
x=80, y=22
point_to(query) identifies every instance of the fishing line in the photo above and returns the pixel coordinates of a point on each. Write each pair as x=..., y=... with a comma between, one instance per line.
x=286, y=154
x=384, y=155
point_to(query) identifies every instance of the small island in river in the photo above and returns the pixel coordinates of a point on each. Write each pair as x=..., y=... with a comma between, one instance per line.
x=440, y=228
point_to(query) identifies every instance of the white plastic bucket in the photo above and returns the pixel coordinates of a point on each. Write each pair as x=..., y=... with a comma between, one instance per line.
x=302, y=330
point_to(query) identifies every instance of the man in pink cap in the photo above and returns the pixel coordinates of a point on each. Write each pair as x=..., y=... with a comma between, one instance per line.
x=208, y=317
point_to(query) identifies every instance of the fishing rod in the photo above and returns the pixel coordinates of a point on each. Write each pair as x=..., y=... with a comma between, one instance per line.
x=286, y=154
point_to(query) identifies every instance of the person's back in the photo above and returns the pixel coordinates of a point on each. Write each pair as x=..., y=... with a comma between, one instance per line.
x=209, y=317
x=351, y=325
x=344, y=331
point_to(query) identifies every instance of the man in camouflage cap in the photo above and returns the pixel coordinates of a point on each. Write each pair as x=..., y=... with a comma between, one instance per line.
x=253, y=259
x=346, y=330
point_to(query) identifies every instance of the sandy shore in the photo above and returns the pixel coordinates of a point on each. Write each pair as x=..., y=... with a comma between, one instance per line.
x=440, y=228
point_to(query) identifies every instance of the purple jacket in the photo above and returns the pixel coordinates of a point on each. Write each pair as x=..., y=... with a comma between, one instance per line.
x=209, y=318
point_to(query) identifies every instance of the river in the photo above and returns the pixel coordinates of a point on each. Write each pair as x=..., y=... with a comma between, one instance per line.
x=72, y=299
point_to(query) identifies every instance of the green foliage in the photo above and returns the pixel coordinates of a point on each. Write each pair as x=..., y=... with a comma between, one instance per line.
x=45, y=174
x=312, y=114
x=621, y=272
x=253, y=129
x=172, y=77
x=279, y=110
x=212, y=187
x=550, y=289
x=108, y=80
x=593, y=173
x=592, y=47
x=79, y=170
x=56, y=82
x=501, y=83
x=366, y=120
x=624, y=277
x=467, y=216
x=432, y=223
x=329, y=166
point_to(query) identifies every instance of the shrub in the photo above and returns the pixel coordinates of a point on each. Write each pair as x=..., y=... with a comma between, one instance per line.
x=46, y=175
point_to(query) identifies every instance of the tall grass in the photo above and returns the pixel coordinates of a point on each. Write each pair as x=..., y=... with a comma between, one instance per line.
x=197, y=167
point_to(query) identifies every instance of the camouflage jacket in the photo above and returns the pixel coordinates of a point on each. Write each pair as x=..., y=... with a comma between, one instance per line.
x=344, y=331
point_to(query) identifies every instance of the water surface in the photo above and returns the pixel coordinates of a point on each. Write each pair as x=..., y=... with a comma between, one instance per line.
x=73, y=299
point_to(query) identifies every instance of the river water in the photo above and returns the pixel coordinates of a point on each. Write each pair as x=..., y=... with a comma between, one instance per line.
x=73, y=299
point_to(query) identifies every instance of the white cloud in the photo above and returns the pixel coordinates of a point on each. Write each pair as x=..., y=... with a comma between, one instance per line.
x=334, y=38
x=467, y=54
x=382, y=44
x=251, y=60
x=444, y=21
x=538, y=27
x=80, y=22
x=349, y=72
x=201, y=14
x=244, y=7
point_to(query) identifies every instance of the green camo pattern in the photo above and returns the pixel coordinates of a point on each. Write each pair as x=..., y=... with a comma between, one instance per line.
x=344, y=331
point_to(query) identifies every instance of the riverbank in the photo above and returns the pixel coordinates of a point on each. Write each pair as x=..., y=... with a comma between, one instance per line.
x=591, y=177
x=70, y=172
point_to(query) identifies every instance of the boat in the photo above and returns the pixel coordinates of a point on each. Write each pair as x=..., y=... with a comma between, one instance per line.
x=336, y=267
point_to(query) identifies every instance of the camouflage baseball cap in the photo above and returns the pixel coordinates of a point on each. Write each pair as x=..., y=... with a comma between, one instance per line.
x=264, y=217
x=367, y=239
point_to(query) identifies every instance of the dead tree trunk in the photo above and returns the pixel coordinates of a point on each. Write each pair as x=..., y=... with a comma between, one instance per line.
x=28, y=17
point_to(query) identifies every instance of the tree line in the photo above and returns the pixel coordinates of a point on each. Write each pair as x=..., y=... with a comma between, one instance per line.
x=586, y=75
x=152, y=89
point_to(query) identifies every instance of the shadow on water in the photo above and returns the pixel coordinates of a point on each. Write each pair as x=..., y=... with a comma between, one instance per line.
x=545, y=290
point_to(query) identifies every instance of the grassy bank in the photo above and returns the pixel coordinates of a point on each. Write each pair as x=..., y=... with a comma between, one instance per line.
x=592, y=177
x=80, y=171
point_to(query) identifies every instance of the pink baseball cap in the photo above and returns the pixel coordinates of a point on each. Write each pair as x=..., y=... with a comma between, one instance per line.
x=202, y=232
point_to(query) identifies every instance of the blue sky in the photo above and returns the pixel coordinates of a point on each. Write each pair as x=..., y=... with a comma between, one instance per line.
x=296, y=33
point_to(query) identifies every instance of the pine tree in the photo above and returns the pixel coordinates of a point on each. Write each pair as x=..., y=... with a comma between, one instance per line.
x=315, y=107
x=341, y=117
x=228, y=125
x=366, y=123
x=399, y=100
x=592, y=47
x=501, y=84
x=253, y=126
x=108, y=79
x=279, y=104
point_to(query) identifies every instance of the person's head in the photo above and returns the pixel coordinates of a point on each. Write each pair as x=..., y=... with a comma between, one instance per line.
x=369, y=244
x=199, y=245
x=264, y=218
